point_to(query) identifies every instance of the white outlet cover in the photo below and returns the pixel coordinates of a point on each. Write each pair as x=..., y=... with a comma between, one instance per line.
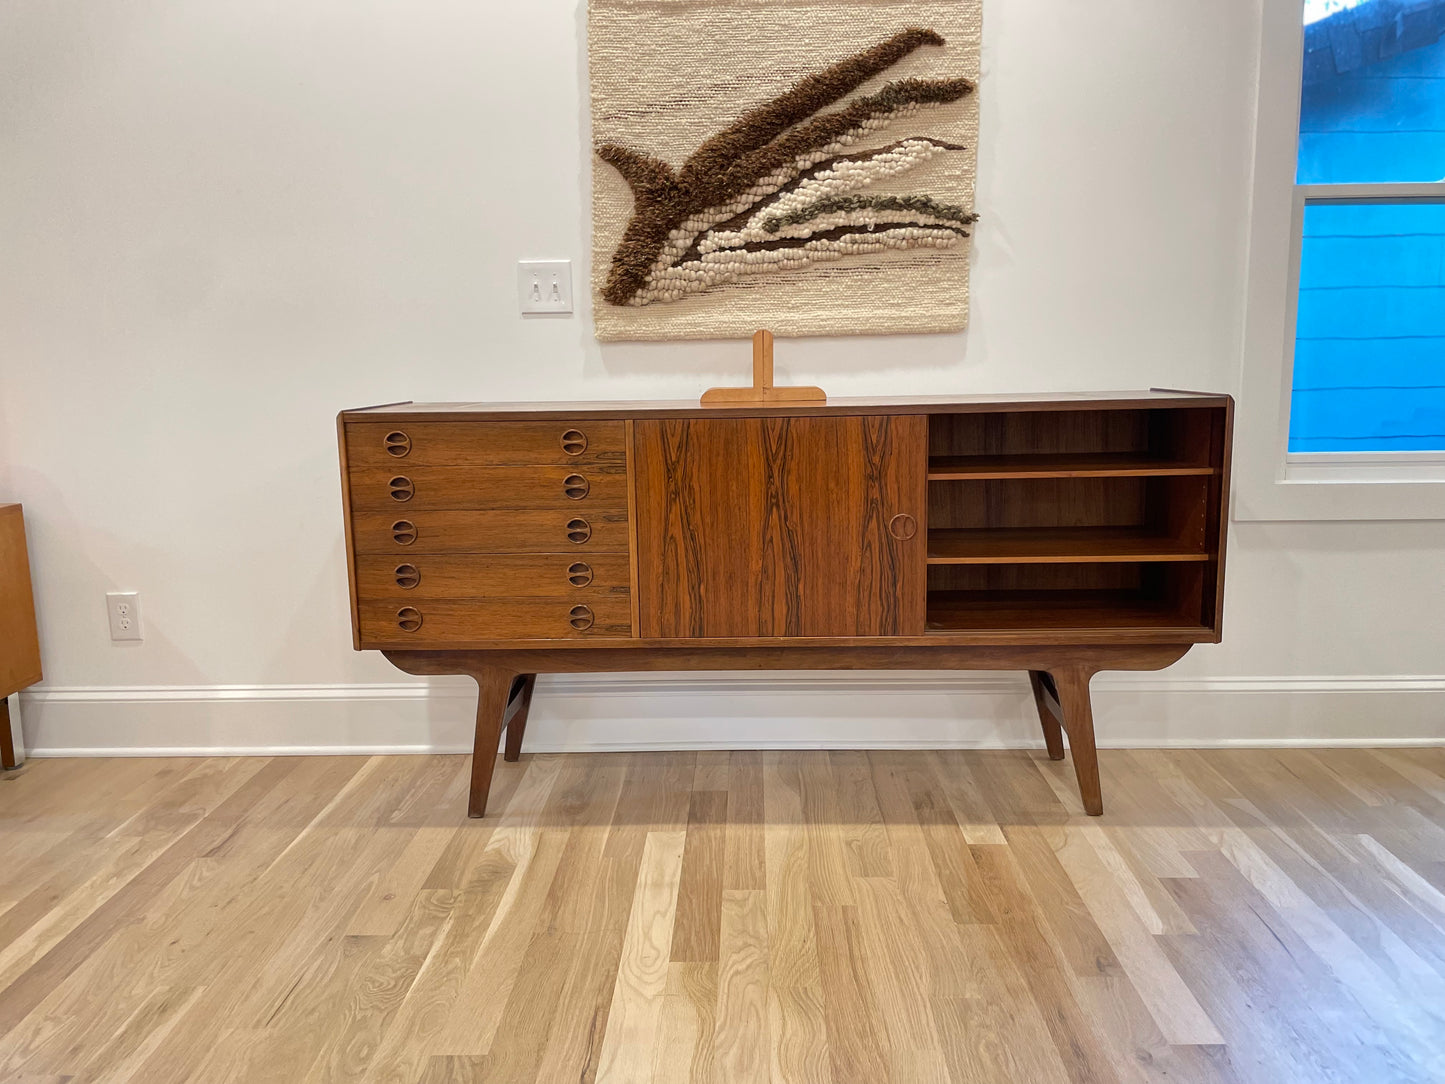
x=123, y=610
x=544, y=286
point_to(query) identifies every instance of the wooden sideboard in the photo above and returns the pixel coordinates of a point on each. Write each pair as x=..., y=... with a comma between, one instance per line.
x=1058, y=534
x=19, y=642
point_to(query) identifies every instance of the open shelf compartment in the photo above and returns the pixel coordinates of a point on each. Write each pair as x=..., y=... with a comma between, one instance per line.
x=1074, y=444
x=1089, y=519
x=1152, y=596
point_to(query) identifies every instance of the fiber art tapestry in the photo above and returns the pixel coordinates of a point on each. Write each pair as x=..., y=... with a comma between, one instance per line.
x=806, y=167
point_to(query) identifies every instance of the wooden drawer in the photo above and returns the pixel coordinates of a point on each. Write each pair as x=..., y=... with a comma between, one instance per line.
x=456, y=620
x=579, y=577
x=484, y=443
x=589, y=483
x=527, y=530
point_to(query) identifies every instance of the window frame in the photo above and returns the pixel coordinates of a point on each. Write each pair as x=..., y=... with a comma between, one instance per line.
x=1271, y=482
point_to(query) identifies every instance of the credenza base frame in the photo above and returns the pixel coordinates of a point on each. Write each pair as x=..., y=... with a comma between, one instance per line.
x=1059, y=676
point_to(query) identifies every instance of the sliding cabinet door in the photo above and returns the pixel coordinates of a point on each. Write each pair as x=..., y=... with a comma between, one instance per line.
x=781, y=526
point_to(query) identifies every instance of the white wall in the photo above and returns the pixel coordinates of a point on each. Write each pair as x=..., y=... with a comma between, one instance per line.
x=223, y=221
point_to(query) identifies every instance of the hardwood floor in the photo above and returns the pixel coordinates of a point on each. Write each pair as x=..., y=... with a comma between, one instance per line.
x=844, y=917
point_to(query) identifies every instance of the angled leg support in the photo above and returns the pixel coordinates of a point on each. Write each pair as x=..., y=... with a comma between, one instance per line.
x=517, y=715
x=1072, y=685
x=7, y=738
x=1046, y=699
x=494, y=686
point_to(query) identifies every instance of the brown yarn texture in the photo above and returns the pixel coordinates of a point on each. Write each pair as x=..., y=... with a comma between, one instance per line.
x=807, y=167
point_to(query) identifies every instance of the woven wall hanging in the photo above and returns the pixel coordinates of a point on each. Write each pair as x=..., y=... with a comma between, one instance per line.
x=806, y=167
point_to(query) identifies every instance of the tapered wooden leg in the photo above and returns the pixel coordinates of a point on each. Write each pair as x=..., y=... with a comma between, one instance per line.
x=517, y=716
x=1049, y=712
x=7, y=740
x=1072, y=684
x=493, y=688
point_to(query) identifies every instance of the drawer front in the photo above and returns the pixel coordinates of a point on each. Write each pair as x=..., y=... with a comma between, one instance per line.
x=588, y=483
x=484, y=444
x=456, y=620
x=526, y=530
x=580, y=577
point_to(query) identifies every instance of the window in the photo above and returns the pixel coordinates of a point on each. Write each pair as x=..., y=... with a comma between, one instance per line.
x=1341, y=412
x=1369, y=351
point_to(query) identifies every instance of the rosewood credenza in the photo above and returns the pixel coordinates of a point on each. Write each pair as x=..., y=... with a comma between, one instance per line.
x=1058, y=534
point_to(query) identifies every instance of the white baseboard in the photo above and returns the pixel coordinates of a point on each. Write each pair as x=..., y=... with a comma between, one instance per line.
x=729, y=711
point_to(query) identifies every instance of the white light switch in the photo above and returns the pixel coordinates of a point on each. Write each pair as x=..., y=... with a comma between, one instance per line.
x=544, y=285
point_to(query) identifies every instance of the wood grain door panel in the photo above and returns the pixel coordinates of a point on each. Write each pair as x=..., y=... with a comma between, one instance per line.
x=781, y=526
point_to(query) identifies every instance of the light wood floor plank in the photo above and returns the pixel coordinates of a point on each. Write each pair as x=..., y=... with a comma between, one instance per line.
x=1237, y=916
x=636, y=1011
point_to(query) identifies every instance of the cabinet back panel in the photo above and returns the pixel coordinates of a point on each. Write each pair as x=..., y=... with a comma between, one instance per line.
x=1038, y=502
x=1039, y=432
x=1111, y=576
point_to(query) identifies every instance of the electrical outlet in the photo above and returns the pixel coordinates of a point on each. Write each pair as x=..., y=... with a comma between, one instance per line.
x=123, y=608
x=544, y=286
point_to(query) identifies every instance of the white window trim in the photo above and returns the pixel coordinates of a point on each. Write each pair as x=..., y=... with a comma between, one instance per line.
x=1270, y=482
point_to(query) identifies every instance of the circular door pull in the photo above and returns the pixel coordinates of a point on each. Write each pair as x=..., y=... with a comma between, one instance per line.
x=903, y=526
x=576, y=486
x=407, y=576
x=574, y=442
x=579, y=574
x=401, y=488
x=403, y=532
x=408, y=619
x=578, y=531
x=580, y=618
x=398, y=444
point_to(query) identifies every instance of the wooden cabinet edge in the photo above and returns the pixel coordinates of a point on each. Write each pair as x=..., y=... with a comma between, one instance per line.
x=632, y=527
x=356, y=642
x=927, y=641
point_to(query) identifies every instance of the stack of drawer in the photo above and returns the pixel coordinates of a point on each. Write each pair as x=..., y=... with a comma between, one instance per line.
x=482, y=530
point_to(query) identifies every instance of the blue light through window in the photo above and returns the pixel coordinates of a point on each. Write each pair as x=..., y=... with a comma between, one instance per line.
x=1369, y=362
x=1369, y=367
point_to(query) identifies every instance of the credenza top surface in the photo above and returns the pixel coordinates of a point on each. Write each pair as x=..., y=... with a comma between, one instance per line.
x=929, y=404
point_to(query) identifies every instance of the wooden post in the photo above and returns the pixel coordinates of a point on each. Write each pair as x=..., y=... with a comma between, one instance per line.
x=517, y=718
x=763, y=390
x=1050, y=713
x=7, y=740
x=1072, y=684
x=493, y=686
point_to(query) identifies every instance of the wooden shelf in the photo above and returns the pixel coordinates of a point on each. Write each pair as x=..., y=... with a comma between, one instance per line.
x=958, y=468
x=1055, y=545
x=953, y=611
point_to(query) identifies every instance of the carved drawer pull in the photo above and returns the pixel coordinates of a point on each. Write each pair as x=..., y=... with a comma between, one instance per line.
x=398, y=444
x=576, y=486
x=403, y=532
x=903, y=526
x=580, y=618
x=407, y=576
x=408, y=619
x=401, y=488
x=574, y=442
x=578, y=530
x=579, y=574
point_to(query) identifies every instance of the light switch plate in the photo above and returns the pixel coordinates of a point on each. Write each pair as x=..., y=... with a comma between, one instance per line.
x=544, y=286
